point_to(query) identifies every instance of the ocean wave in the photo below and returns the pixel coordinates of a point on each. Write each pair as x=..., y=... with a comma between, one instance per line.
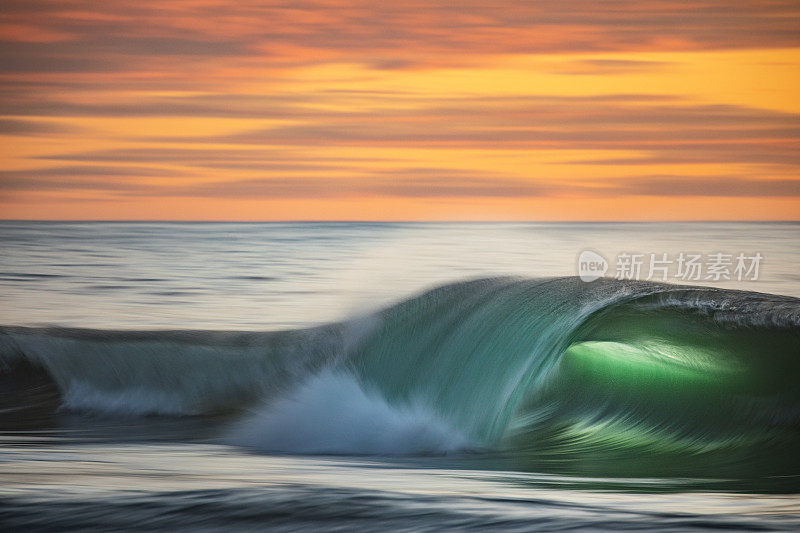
x=609, y=370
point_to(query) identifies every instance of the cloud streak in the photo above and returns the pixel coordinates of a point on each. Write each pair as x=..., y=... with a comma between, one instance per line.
x=193, y=101
x=398, y=183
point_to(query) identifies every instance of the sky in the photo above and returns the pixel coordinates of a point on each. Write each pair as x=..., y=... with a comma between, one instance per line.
x=413, y=110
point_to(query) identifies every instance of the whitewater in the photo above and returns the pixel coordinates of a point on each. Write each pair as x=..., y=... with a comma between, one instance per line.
x=393, y=369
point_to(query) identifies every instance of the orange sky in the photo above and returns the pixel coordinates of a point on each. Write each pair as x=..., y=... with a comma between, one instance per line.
x=365, y=110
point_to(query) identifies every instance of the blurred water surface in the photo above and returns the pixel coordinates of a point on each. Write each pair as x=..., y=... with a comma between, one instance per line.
x=277, y=275
x=94, y=470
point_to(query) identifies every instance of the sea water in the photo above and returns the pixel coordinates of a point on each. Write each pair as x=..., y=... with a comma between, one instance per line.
x=398, y=375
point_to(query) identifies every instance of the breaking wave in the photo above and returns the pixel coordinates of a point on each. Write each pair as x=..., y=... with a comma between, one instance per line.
x=590, y=375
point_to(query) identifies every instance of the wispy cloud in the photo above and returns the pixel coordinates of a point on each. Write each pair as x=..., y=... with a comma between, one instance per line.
x=337, y=100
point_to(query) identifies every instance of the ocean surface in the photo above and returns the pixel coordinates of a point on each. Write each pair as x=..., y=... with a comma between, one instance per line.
x=403, y=376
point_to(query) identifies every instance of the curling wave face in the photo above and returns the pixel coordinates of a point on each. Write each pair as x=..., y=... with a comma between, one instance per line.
x=607, y=378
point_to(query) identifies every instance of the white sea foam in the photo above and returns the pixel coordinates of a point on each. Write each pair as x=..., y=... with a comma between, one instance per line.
x=333, y=413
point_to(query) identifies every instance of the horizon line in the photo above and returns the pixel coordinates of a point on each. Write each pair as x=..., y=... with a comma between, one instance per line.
x=371, y=221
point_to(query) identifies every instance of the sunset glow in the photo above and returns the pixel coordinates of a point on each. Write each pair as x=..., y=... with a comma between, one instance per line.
x=329, y=110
